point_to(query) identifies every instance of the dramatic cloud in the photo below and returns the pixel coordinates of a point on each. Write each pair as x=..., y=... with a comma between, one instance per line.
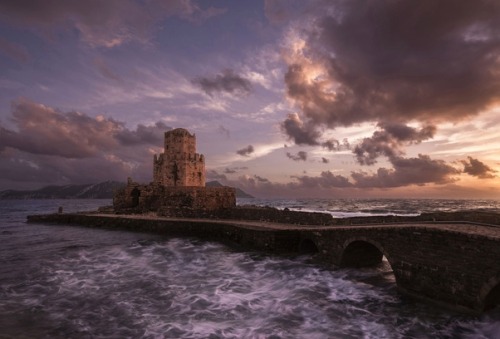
x=103, y=23
x=44, y=130
x=419, y=171
x=393, y=61
x=326, y=180
x=261, y=179
x=300, y=156
x=152, y=135
x=300, y=133
x=408, y=171
x=335, y=145
x=390, y=141
x=49, y=146
x=246, y=151
x=478, y=169
x=233, y=170
x=226, y=82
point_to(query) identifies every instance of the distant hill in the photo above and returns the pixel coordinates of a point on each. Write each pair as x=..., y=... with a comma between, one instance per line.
x=239, y=192
x=103, y=190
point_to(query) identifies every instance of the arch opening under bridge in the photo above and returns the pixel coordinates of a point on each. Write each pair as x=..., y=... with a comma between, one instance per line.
x=307, y=246
x=492, y=299
x=361, y=253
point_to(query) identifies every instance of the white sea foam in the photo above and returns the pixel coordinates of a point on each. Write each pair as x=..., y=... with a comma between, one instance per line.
x=75, y=282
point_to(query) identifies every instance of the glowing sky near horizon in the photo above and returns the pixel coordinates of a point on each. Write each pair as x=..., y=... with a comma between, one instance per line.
x=287, y=98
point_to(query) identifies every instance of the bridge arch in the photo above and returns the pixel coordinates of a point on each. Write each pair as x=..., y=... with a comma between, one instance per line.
x=490, y=294
x=362, y=252
x=308, y=246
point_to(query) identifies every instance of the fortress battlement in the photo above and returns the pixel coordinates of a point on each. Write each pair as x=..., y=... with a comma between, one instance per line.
x=178, y=181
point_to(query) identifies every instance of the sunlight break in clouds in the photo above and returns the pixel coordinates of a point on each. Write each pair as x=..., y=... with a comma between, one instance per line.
x=335, y=98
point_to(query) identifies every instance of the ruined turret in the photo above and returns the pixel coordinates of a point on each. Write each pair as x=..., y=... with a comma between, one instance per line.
x=178, y=182
x=179, y=165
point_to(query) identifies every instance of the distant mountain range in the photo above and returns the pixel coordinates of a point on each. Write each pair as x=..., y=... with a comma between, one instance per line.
x=239, y=192
x=103, y=190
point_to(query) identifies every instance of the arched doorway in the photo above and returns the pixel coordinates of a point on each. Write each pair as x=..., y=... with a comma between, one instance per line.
x=135, y=194
x=361, y=253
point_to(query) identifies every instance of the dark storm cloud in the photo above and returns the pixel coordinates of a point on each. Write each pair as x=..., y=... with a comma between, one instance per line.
x=45, y=130
x=233, y=170
x=246, y=151
x=261, y=179
x=408, y=171
x=478, y=169
x=420, y=171
x=300, y=156
x=400, y=61
x=389, y=141
x=49, y=146
x=326, y=180
x=102, y=23
x=335, y=145
x=227, y=81
x=300, y=133
x=152, y=135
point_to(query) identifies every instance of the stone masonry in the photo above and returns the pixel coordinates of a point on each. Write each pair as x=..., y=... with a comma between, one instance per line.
x=179, y=164
x=178, y=182
x=451, y=264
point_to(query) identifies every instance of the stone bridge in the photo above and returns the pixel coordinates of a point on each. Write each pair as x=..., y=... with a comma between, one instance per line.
x=453, y=264
x=456, y=265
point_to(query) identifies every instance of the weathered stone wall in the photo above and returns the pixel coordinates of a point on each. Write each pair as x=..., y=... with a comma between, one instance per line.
x=179, y=141
x=136, y=198
x=208, y=198
x=453, y=268
x=179, y=165
x=256, y=213
x=450, y=267
x=129, y=196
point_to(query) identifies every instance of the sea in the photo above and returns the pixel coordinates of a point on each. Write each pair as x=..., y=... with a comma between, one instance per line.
x=61, y=281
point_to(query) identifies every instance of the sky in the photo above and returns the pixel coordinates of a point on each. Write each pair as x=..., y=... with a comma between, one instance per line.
x=287, y=98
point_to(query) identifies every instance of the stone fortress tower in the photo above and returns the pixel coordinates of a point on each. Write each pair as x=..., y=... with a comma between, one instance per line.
x=178, y=182
x=179, y=164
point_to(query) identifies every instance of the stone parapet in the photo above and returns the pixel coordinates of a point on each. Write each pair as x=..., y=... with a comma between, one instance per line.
x=137, y=198
x=254, y=213
x=448, y=264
